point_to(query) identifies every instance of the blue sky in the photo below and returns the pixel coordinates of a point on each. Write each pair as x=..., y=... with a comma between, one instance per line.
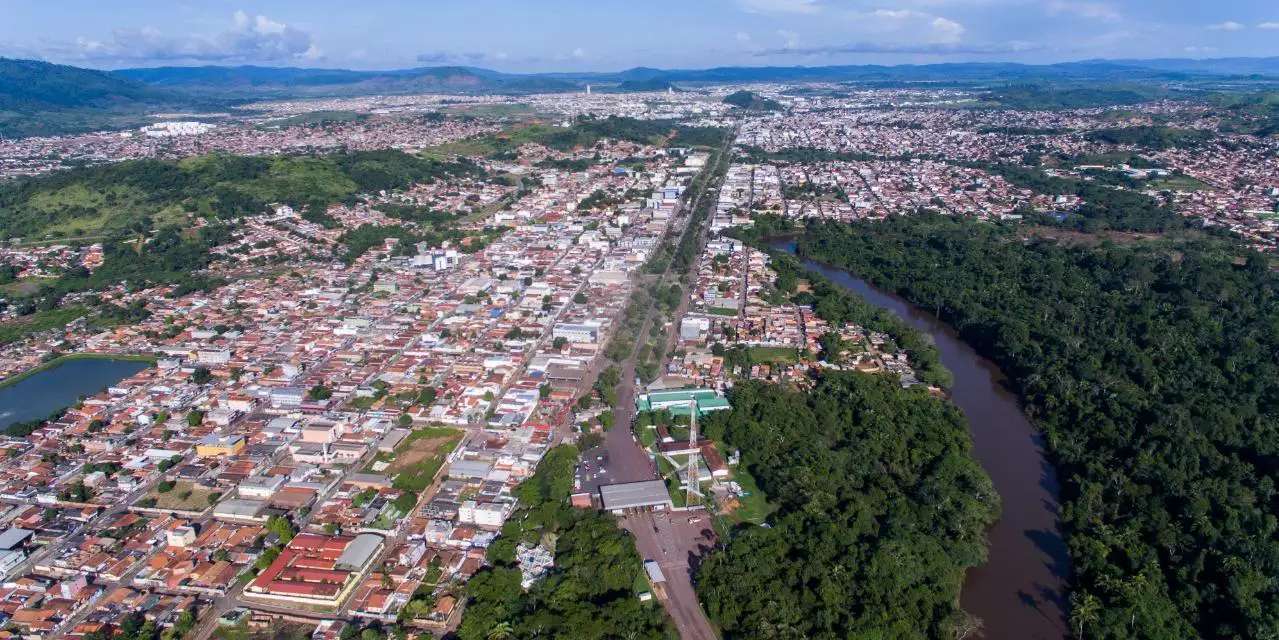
x=580, y=35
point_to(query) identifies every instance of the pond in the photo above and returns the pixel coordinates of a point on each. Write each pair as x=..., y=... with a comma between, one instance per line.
x=62, y=386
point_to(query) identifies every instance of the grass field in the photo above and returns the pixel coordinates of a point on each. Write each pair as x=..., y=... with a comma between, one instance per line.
x=753, y=508
x=25, y=286
x=774, y=354
x=184, y=496
x=41, y=321
x=1177, y=183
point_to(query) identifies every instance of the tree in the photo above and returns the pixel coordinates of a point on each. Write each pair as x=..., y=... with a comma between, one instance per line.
x=405, y=420
x=501, y=631
x=194, y=418
x=427, y=396
x=319, y=392
x=201, y=376
x=1085, y=610
x=580, y=298
x=282, y=527
x=544, y=391
x=849, y=431
x=589, y=440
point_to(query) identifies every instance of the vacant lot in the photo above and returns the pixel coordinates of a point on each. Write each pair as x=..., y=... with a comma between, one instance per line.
x=184, y=496
x=416, y=460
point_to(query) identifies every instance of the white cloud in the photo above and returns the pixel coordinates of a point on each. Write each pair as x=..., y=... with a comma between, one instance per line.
x=790, y=38
x=1268, y=25
x=742, y=37
x=898, y=13
x=1087, y=10
x=266, y=25
x=1226, y=26
x=779, y=6
x=466, y=58
x=246, y=39
x=578, y=53
x=933, y=48
x=947, y=30
x=1200, y=49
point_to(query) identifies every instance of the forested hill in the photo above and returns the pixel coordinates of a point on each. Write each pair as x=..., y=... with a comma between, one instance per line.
x=881, y=508
x=38, y=98
x=752, y=101
x=95, y=200
x=1154, y=371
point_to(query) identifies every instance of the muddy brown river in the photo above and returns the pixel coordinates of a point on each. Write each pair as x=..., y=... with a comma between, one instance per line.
x=1019, y=593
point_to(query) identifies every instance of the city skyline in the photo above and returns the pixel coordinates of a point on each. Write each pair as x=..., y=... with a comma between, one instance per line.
x=573, y=36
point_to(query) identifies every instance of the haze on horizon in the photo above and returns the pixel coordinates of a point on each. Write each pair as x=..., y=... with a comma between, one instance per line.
x=564, y=35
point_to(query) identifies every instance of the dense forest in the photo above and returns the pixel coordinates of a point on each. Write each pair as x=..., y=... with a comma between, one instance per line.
x=589, y=592
x=125, y=194
x=881, y=508
x=1153, y=370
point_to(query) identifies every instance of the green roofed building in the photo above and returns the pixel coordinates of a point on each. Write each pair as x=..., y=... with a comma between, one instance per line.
x=680, y=402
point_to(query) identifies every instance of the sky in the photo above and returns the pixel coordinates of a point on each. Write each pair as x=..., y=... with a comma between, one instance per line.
x=611, y=35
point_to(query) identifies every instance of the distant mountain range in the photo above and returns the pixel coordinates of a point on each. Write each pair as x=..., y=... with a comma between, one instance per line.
x=41, y=98
x=267, y=79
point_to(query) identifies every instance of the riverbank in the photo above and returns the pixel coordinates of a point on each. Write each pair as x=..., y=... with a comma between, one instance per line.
x=1020, y=591
x=71, y=357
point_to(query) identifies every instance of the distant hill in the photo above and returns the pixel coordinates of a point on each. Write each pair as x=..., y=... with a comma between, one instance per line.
x=752, y=101
x=250, y=81
x=39, y=98
x=644, y=85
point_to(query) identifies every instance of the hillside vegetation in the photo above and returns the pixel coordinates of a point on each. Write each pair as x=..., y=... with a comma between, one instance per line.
x=752, y=101
x=1154, y=373
x=38, y=98
x=140, y=193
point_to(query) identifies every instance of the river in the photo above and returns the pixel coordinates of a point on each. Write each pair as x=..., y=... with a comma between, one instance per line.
x=61, y=387
x=1019, y=593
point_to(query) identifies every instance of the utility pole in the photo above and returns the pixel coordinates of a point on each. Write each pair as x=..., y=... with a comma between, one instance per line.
x=694, y=477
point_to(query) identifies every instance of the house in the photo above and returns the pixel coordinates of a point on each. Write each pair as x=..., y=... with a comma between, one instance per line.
x=216, y=444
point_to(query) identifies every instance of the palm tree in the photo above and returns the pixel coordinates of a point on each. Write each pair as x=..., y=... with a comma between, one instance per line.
x=501, y=631
x=1086, y=610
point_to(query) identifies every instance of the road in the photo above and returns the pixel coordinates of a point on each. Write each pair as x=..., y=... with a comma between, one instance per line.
x=669, y=539
x=627, y=460
x=675, y=543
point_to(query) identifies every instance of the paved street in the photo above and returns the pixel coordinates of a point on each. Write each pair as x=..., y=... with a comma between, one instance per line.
x=675, y=544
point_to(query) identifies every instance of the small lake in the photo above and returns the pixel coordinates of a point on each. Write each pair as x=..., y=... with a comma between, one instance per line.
x=61, y=387
x=1019, y=593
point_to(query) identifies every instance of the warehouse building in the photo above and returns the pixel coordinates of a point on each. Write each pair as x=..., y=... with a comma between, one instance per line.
x=629, y=497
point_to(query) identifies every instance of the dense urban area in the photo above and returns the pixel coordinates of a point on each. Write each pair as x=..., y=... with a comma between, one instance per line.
x=563, y=365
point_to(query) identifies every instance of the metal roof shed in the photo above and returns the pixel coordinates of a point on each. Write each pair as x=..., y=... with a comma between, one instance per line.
x=646, y=494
